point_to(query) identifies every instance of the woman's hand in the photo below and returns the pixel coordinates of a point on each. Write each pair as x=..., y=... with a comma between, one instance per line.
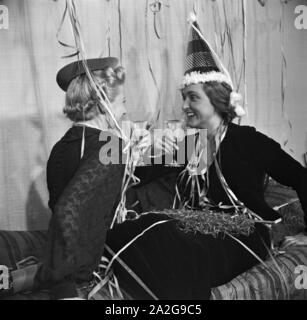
x=154, y=142
x=163, y=142
x=141, y=141
x=297, y=240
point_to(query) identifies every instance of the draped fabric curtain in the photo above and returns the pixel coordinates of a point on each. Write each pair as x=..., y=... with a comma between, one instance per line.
x=264, y=52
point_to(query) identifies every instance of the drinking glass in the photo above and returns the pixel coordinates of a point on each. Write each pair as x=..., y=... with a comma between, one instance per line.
x=176, y=126
x=139, y=126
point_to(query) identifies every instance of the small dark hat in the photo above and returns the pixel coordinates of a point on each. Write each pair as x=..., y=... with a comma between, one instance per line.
x=74, y=69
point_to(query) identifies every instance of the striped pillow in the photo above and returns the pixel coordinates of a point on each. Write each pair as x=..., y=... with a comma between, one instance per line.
x=277, y=282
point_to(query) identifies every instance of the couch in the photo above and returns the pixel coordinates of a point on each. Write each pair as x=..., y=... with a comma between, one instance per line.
x=274, y=281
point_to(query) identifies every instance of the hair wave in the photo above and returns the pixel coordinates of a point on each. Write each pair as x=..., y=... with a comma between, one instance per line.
x=81, y=102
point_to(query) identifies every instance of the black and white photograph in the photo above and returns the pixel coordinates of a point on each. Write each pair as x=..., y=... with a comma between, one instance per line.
x=153, y=150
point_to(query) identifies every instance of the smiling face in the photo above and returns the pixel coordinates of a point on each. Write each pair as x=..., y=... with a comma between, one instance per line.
x=197, y=107
x=118, y=104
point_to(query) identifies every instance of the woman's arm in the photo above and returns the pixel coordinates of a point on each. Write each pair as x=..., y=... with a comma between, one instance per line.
x=280, y=166
x=78, y=227
x=158, y=162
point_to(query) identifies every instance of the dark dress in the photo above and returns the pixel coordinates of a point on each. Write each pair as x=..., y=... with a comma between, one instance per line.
x=83, y=197
x=174, y=265
x=186, y=266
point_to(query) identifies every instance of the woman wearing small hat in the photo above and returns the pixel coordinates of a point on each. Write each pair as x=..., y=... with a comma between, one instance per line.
x=82, y=107
x=83, y=192
x=75, y=177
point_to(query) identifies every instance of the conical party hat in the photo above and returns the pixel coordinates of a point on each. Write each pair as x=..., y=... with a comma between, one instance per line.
x=202, y=63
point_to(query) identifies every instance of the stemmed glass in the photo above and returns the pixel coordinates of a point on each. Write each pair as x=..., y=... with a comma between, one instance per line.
x=139, y=126
x=176, y=127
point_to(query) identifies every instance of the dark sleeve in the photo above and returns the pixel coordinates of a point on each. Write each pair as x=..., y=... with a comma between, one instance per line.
x=157, y=169
x=81, y=219
x=280, y=166
x=61, y=166
x=154, y=172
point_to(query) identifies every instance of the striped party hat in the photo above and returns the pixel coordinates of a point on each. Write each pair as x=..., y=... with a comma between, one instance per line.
x=202, y=63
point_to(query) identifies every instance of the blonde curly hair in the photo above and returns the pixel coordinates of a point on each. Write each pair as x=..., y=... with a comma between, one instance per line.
x=81, y=102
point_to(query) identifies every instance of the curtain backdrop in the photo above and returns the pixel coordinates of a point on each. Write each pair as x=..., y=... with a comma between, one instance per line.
x=151, y=45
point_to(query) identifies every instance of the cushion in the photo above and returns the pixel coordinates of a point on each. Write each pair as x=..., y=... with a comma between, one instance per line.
x=18, y=245
x=274, y=282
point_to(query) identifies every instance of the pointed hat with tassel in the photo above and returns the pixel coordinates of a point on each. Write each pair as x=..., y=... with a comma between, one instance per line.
x=203, y=65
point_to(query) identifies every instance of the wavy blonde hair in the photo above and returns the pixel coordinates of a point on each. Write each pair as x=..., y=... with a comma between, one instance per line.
x=81, y=102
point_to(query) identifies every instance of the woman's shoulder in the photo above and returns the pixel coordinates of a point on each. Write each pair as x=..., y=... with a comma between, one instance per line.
x=242, y=135
x=249, y=134
x=60, y=147
x=64, y=157
x=235, y=129
x=71, y=141
x=249, y=138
